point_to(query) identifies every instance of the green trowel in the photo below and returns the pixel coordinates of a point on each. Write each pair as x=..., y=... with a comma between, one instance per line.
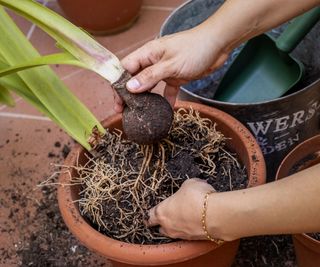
x=264, y=69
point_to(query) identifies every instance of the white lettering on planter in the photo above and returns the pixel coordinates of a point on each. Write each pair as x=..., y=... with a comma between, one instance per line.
x=277, y=145
x=297, y=118
x=312, y=110
x=281, y=145
x=279, y=133
x=260, y=126
x=281, y=136
x=281, y=124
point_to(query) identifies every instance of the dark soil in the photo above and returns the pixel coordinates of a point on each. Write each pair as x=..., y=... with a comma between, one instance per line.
x=52, y=245
x=194, y=148
x=43, y=238
x=266, y=251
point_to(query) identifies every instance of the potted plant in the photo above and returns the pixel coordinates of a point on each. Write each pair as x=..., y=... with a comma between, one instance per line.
x=305, y=155
x=16, y=54
x=101, y=16
x=178, y=253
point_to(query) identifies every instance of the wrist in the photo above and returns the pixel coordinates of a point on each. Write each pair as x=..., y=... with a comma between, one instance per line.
x=215, y=217
x=227, y=215
x=212, y=37
x=204, y=220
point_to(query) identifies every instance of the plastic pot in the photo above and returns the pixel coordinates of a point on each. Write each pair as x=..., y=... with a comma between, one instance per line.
x=278, y=125
x=303, y=156
x=101, y=16
x=180, y=253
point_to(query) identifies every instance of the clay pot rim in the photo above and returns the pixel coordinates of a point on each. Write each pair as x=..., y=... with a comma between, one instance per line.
x=298, y=153
x=169, y=253
x=309, y=238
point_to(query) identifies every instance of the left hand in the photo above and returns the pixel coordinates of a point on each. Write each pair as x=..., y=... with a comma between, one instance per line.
x=176, y=59
x=179, y=216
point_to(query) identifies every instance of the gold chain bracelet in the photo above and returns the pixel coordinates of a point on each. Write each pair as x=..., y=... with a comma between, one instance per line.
x=203, y=220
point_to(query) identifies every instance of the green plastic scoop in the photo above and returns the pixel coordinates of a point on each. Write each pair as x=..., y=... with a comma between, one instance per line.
x=264, y=70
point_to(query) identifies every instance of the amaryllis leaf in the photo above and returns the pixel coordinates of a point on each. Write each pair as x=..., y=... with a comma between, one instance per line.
x=71, y=38
x=41, y=86
x=60, y=58
x=5, y=97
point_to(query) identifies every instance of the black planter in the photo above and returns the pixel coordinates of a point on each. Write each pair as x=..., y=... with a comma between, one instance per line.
x=278, y=125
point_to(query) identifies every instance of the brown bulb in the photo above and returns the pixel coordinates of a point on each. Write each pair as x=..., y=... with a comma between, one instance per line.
x=147, y=117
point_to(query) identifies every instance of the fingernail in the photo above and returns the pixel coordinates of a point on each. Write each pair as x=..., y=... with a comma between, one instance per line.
x=133, y=84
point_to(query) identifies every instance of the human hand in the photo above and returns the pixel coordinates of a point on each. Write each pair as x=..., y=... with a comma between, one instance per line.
x=176, y=59
x=179, y=216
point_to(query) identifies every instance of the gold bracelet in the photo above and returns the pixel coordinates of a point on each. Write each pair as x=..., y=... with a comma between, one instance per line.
x=203, y=220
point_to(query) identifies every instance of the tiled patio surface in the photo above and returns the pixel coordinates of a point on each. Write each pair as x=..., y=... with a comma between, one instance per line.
x=30, y=143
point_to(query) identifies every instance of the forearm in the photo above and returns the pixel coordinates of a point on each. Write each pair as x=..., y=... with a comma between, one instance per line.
x=290, y=205
x=239, y=20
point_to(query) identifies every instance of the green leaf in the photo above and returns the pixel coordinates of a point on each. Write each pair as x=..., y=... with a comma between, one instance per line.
x=41, y=86
x=16, y=84
x=5, y=97
x=60, y=58
x=71, y=38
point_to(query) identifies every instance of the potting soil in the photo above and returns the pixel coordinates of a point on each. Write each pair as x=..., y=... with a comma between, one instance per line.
x=49, y=243
x=125, y=180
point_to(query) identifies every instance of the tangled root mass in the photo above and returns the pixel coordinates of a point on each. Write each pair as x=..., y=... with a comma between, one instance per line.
x=125, y=180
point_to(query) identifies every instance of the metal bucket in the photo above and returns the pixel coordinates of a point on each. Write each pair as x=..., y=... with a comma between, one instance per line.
x=278, y=125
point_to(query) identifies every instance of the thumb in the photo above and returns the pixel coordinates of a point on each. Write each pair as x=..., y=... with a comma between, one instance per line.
x=153, y=217
x=148, y=78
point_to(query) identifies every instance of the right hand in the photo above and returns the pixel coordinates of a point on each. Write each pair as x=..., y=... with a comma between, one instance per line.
x=176, y=59
x=180, y=214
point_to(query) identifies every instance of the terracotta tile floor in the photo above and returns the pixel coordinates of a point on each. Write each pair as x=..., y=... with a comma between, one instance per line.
x=30, y=143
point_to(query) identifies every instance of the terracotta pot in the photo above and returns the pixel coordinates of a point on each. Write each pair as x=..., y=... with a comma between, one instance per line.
x=303, y=156
x=180, y=253
x=101, y=16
